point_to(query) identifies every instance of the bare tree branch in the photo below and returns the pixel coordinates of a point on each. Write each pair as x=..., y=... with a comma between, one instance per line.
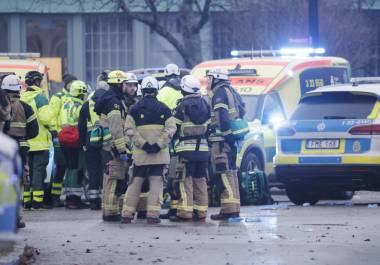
x=205, y=15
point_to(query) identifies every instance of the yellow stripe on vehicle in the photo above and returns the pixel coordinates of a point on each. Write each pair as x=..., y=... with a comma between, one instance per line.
x=361, y=160
x=286, y=160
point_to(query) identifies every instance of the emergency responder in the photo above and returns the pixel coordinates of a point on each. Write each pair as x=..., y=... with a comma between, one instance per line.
x=223, y=146
x=55, y=106
x=151, y=127
x=132, y=98
x=68, y=137
x=112, y=109
x=192, y=117
x=5, y=107
x=21, y=127
x=170, y=94
x=88, y=124
x=39, y=145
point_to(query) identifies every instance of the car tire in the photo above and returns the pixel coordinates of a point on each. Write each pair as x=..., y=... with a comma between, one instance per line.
x=299, y=196
x=250, y=162
x=340, y=195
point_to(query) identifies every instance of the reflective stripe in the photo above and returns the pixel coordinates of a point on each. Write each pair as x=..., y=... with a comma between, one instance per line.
x=57, y=185
x=227, y=185
x=38, y=196
x=24, y=144
x=174, y=204
x=153, y=208
x=233, y=201
x=129, y=209
x=150, y=127
x=220, y=106
x=144, y=194
x=226, y=132
x=56, y=192
x=202, y=148
x=18, y=125
x=184, y=205
x=178, y=121
x=201, y=208
x=31, y=118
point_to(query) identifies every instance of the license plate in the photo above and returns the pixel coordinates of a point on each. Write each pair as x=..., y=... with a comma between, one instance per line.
x=322, y=144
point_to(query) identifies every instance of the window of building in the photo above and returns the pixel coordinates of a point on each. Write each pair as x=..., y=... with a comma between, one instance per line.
x=108, y=44
x=48, y=36
x=4, y=34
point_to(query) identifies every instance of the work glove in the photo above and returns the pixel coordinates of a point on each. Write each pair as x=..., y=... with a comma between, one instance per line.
x=124, y=157
x=151, y=148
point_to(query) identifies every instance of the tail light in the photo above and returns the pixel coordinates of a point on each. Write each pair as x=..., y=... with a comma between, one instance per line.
x=285, y=131
x=373, y=129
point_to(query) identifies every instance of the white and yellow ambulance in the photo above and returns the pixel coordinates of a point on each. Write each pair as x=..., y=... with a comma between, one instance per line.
x=271, y=88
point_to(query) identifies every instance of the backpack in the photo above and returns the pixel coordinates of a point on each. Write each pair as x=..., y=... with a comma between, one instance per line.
x=17, y=126
x=239, y=126
x=254, y=188
x=69, y=134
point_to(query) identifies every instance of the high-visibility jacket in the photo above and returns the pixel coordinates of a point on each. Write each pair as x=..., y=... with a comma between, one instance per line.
x=192, y=117
x=34, y=97
x=169, y=96
x=55, y=106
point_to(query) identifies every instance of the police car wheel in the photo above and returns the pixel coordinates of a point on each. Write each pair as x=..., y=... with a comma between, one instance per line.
x=251, y=162
x=299, y=195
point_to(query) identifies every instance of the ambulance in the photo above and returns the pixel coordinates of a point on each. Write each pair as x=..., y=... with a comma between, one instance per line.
x=271, y=84
x=20, y=64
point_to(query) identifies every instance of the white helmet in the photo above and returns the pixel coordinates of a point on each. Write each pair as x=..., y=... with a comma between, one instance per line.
x=132, y=78
x=191, y=84
x=11, y=83
x=218, y=73
x=172, y=69
x=149, y=84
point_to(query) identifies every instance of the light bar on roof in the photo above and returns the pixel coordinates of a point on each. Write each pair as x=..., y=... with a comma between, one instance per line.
x=365, y=80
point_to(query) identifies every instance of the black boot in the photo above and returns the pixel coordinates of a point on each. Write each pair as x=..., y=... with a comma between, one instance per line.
x=40, y=206
x=153, y=220
x=223, y=216
x=20, y=222
x=112, y=218
x=56, y=202
x=95, y=204
x=171, y=212
x=141, y=215
x=75, y=203
x=178, y=219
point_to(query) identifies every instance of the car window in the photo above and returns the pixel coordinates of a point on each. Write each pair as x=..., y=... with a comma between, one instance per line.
x=272, y=110
x=313, y=78
x=251, y=106
x=335, y=105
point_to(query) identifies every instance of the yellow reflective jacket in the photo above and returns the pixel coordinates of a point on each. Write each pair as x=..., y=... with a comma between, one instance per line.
x=55, y=106
x=34, y=96
x=169, y=96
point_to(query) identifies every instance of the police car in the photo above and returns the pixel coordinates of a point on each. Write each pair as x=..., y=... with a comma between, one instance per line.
x=332, y=142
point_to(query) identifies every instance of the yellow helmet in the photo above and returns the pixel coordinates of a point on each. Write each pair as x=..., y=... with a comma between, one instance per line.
x=78, y=88
x=117, y=77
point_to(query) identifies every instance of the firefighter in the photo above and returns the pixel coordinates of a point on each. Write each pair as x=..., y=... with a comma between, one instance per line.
x=192, y=117
x=151, y=127
x=223, y=143
x=112, y=109
x=170, y=94
x=68, y=137
x=21, y=127
x=55, y=106
x=88, y=126
x=39, y=145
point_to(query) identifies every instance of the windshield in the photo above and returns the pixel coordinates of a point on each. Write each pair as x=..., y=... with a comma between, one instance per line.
x=335, y=105
x=251, y=106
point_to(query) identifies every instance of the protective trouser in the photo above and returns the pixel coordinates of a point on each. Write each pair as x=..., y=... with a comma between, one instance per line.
x=60, y=168
x=173, y=186
x=94, y=168
x=193, y=190
x=25, y=181
x=223, y=159
x=114, y=177
x=38, y=161
x=143, y=202
x=132, y=196
x=73, y=174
